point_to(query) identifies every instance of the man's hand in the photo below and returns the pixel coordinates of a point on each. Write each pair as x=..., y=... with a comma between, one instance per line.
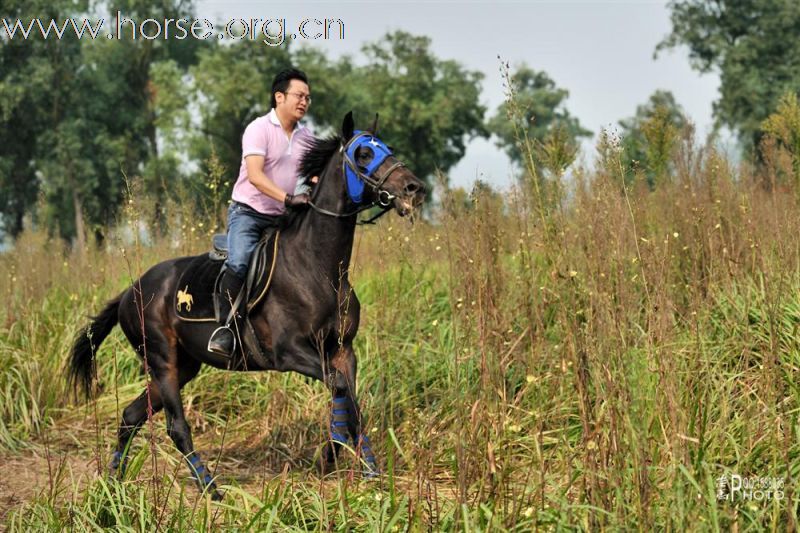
x=296, y=201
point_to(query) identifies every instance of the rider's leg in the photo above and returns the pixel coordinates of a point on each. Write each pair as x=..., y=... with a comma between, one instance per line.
x=223, y=341
x=244, y=230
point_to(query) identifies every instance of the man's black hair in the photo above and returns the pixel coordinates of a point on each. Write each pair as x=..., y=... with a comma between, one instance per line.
x=281, y=82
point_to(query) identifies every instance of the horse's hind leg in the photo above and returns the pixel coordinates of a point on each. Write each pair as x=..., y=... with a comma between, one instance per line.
x=136, y=414
x=133, y=417
x=170, y=381
x=345, y=413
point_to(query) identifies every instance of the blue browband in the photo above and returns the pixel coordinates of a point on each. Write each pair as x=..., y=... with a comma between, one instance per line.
x=356, y=178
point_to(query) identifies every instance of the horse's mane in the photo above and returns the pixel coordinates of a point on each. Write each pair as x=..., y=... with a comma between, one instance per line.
x=319, y=151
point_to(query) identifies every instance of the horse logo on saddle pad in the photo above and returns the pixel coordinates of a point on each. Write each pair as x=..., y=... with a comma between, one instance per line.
x=185, y=298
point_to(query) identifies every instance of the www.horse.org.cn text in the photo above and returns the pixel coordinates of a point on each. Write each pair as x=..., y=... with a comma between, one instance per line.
x=270, y=31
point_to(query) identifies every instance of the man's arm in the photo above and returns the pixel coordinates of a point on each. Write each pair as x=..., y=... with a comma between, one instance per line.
x=256, y=176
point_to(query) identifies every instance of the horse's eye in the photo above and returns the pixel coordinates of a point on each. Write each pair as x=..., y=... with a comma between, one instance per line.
x=365, y=154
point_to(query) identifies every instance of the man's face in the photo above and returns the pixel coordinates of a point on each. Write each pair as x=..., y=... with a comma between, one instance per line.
x=294, y=102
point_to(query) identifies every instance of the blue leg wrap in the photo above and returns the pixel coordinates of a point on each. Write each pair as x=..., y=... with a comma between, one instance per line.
x=118, y=463
x=338, y=437
x=339, y=417
x=201, y=475
x=369, y=457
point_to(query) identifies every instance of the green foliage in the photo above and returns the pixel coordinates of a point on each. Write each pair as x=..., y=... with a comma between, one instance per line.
x=429, y=107
x=79, y=115
x=336, y=88
x=783, y=127
x=538, y=113
x=649, y=137
x=751, y=44
x=30, y=73
x=82, y=120
x=231, y=87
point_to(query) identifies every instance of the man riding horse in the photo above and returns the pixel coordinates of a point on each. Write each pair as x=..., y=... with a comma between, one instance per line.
x=272, y=148
x=308, y=319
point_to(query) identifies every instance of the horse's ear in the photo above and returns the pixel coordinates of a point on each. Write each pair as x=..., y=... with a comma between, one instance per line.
x=348, y=126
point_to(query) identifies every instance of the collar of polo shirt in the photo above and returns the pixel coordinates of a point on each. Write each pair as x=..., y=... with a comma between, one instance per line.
x=273, y=118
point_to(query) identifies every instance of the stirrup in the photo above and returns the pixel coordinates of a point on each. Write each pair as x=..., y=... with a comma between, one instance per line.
x=220, y=352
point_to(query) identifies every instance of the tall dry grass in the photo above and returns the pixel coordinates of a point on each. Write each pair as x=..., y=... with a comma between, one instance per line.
x=578, y=353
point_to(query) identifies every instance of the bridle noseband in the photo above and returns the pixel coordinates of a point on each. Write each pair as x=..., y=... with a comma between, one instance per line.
x=356, y=179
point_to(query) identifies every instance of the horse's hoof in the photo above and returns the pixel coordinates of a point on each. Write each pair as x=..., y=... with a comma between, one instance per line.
x=210, y=489
x=326, y=462
x=117, y=467
x=371, y=470
x=326, y=467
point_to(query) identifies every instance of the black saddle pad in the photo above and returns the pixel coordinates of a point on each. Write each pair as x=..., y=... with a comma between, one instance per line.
x=194, y=298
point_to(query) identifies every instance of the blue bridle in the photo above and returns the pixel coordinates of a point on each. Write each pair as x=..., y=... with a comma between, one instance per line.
x=357, y=178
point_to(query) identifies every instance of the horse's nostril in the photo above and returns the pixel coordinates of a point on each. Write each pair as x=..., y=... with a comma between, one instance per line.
x=411, y=188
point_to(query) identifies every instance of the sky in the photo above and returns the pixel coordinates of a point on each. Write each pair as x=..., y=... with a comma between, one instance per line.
x=600, y=51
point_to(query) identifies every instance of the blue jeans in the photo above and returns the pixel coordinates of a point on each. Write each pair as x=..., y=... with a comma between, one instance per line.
x=245, y=227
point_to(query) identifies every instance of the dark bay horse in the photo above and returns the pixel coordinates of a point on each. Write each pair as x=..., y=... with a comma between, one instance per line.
x=306, y=323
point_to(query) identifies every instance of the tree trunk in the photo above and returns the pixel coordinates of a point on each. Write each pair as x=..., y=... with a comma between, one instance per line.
x=80, y=231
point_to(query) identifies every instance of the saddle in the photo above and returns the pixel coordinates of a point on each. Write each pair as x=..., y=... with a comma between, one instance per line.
x=197, y=295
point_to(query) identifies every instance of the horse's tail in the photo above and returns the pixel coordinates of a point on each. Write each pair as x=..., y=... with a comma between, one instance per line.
x=82, y=368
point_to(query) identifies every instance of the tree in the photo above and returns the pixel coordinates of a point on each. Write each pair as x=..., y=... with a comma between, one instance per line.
x=231, y=87
x=752, y=44
x=336, y=87
x=78, y=115
x=536, y=109
x=28, y=104
x=781, y=142
x=153, y=70
x=83, y=113
x=650, y=135
x=429, y=107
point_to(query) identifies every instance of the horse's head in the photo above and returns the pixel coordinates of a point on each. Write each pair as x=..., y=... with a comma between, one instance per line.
x=373, y=175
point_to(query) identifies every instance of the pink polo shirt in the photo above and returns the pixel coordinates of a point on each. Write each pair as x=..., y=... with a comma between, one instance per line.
x=282, y=154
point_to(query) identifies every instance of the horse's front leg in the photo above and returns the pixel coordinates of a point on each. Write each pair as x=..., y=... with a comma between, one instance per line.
x=346, y=419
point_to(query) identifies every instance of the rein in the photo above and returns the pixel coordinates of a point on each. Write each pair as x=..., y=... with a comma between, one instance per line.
x=371, y=220
x=384, y=197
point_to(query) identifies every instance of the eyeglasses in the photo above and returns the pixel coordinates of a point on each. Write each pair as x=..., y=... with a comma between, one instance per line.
x=301, y=96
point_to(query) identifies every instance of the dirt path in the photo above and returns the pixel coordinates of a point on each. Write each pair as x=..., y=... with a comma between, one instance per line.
x=32, y=473
x=67, y=470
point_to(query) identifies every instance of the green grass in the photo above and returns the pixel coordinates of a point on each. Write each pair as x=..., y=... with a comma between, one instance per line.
x=599, y=373
x=473, y=433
